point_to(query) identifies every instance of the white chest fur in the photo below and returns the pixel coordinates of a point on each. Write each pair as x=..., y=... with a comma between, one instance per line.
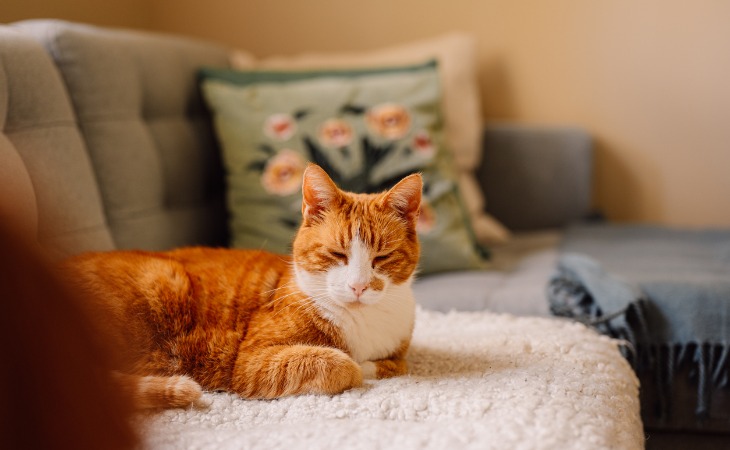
x=376, y=331
x=373, y=327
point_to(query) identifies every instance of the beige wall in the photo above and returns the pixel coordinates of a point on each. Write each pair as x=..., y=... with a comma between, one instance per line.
x=648, y=78
x=122, y=13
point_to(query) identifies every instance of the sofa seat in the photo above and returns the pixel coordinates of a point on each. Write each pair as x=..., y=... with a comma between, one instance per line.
x=515, y=282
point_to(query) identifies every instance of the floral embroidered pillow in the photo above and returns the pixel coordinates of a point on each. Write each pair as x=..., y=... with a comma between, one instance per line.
x=366, y=128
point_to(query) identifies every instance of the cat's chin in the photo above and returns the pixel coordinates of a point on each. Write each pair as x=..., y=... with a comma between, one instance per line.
x=345, y=297
x=357, y=304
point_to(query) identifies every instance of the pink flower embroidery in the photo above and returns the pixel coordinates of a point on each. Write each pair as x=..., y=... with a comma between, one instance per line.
x=389, y=120
x=335, y=133
x=280, y=127
x=283, y=173
x=423, y=144
x=426, y=219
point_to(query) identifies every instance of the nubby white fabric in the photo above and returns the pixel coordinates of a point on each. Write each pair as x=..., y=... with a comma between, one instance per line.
x=477, y=381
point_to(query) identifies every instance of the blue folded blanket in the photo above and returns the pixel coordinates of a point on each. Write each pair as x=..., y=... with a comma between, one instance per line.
x=666, y=291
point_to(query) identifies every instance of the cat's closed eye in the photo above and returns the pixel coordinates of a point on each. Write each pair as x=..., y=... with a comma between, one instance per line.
x=339, y=256
x=381, y=259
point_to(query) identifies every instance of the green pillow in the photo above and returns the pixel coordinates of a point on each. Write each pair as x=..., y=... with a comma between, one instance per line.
x=366, y=128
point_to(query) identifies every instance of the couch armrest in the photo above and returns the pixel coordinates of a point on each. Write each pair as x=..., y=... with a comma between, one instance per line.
x=536, y=177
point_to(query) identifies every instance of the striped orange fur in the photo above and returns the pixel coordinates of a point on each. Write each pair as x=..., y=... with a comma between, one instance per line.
x=259, y=324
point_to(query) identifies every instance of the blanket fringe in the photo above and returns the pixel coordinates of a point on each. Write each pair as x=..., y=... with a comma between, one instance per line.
x=709, y=364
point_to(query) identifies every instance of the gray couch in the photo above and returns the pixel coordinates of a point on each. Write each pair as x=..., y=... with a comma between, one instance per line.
x=105, y=143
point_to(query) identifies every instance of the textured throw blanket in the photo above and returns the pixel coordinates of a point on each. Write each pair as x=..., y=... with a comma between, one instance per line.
x=477, y=381
x=666, y=291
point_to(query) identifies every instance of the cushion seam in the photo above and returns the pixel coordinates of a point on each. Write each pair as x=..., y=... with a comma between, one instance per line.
x=51, y=124
x=147, y=211
x=103, y=226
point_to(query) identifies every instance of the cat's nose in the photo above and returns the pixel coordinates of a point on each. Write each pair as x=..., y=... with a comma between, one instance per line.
x=358, y=288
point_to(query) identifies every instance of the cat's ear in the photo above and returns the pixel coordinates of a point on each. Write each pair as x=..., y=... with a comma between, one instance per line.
x=405, y=197
x=318, y=192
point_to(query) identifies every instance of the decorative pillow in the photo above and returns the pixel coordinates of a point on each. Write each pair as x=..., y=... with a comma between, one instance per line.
x=367, y=129
x=456, y=55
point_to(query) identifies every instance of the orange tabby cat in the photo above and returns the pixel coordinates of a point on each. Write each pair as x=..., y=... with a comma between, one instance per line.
x=264, y=325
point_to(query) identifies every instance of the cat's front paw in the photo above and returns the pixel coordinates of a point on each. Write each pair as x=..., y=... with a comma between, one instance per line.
x=326, y=370
x=283, y=370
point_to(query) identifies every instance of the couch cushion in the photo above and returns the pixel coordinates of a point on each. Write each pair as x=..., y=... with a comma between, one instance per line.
x=46, y=178
x=520, y=270
x=148, y=136
x=557, y=161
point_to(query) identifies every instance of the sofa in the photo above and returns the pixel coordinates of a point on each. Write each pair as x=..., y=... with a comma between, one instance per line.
x=106, y=144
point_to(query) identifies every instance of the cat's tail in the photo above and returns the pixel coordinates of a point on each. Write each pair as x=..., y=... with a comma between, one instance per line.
x=161, y=392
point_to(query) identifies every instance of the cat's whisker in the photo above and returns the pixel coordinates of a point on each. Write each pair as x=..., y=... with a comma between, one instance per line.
x=283, y=286
x=323, y=293
x=303, y=298
x=301, y=305
x=305, y=308
x=276, y=299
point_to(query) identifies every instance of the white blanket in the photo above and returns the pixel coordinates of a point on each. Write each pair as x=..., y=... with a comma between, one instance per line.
x=477, y=380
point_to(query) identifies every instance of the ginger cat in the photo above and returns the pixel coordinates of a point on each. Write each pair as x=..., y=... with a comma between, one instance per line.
x=263, y=325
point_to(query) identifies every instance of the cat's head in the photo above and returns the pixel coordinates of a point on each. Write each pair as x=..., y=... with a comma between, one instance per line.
x=353, y=248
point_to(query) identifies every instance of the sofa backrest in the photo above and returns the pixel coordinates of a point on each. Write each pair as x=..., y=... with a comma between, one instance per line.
x=47, y=184
x=146, y=130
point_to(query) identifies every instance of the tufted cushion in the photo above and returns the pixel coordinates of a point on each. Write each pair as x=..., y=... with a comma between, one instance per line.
x=47, y=184
x=148, y=136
